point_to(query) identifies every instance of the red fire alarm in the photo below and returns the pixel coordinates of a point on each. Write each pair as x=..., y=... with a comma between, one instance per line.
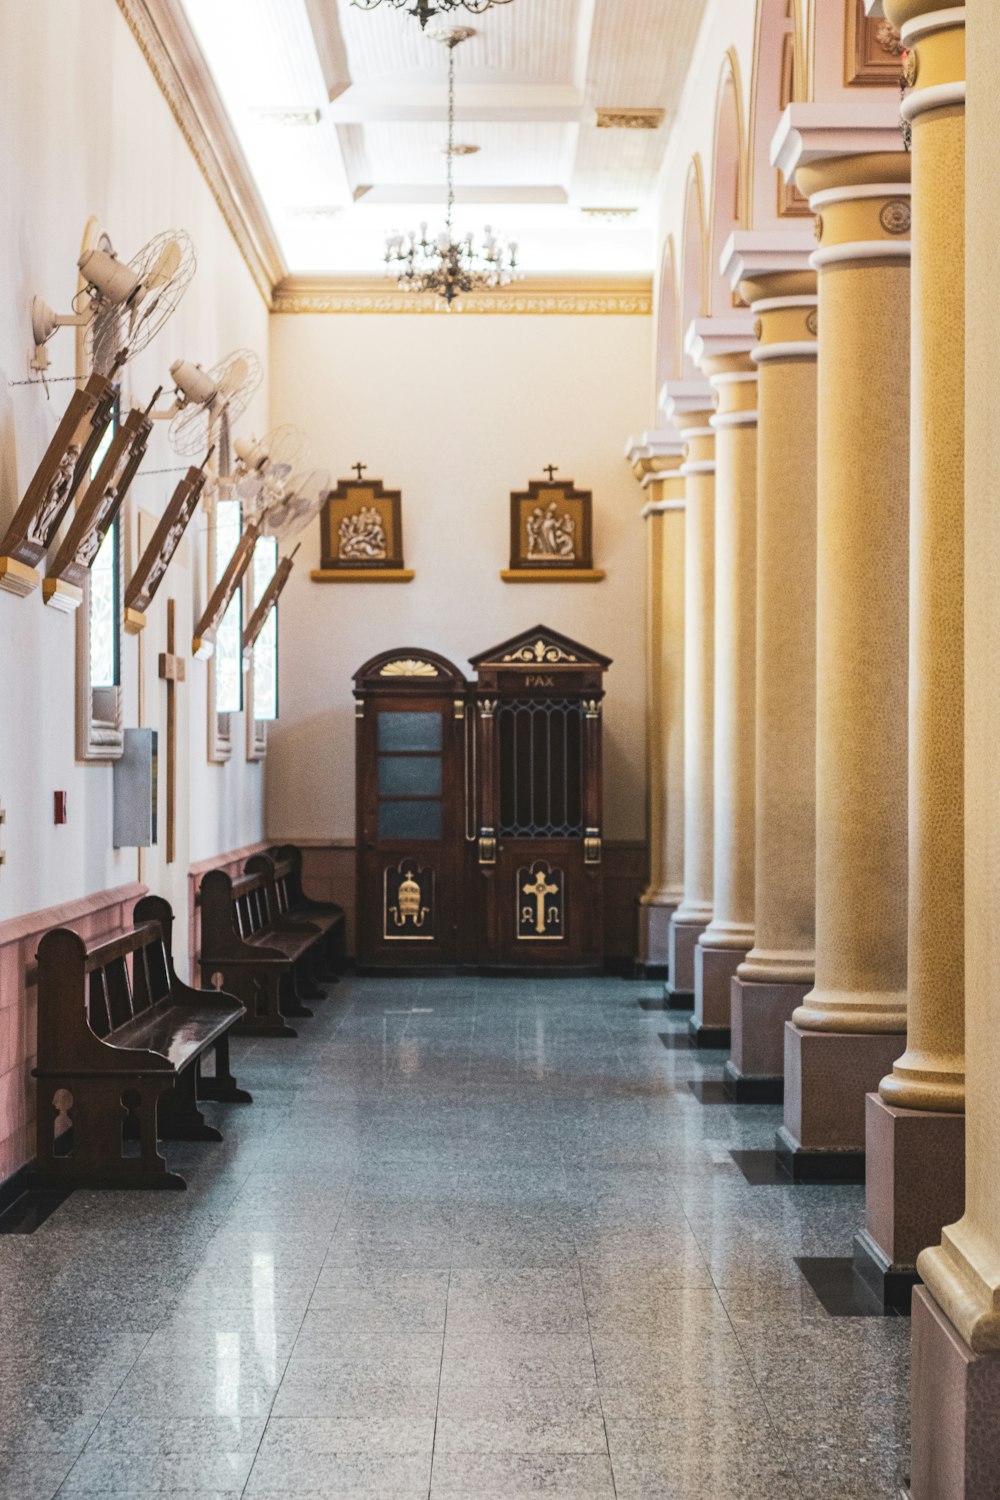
x=60, y=807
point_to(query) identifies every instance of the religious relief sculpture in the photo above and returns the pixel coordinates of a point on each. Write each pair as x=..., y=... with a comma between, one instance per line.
x=363, y=536
x=361, y=529
x=156, y=559
x=56, y=496
x=91, y=544
x=550, y=532
x=95, y=515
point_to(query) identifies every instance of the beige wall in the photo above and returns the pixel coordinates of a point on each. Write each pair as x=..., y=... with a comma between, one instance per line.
x=86, y=131
x=456, y=411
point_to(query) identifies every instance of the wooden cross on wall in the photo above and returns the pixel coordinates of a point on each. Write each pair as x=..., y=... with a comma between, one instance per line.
x=359, y=469
x=551, y=470
x=172, y=671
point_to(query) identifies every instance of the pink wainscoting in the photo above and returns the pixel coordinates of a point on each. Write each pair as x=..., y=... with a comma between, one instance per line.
x=232, y=862
x=93, y=917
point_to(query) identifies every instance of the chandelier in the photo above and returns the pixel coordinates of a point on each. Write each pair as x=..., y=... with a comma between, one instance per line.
x=424, y=11
x=446, y=266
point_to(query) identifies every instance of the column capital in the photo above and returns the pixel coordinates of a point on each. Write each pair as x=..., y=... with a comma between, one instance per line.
x=812, y=133
x=934, y=36
x=654, y=452
x=687, y=402
x=750, y=253
x=714, y=338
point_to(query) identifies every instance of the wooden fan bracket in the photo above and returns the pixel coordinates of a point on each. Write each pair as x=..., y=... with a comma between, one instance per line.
x=56, y=481
x=95, y=515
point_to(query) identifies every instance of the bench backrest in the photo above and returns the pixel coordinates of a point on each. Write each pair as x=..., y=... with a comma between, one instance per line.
x=233, y=908
x=279, y=883
x=126, y=976
x=87, y=991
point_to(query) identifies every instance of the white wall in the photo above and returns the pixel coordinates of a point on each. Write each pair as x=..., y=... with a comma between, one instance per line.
x=456, y=411
x=86, y=131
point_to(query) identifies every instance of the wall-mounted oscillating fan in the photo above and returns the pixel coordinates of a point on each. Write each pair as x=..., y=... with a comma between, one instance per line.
x=301, y=502
x=122, y=304
x=264, y=465
x=208, y=402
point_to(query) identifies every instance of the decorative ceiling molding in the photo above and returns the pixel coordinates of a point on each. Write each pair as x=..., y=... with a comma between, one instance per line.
x=168, y=44
x=630, y=296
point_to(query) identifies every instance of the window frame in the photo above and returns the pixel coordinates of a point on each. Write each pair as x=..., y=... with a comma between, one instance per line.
x=100, y=720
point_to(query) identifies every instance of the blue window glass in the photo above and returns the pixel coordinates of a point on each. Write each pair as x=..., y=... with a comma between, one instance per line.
x=409, y=776
x=403, y=731
x=409, y=820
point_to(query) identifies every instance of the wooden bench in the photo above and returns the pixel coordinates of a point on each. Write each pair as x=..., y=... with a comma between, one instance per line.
x=285, y=861
x=253, y=951
x=120, y=1045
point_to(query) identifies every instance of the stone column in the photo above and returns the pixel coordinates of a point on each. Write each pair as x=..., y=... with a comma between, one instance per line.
x=721, y=347
x=688, y=405
x=956, y=1314
x=656, y=459
x=773, y=275
x=915, y=1123
x=848, y=1030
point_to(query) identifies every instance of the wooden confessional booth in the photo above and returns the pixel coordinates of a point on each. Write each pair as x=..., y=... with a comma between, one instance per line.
x=479, y=809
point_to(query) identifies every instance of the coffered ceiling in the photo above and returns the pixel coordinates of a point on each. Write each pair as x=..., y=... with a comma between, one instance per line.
x=341, y=114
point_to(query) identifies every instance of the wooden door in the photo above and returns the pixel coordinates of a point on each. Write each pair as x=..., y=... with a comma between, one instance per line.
x=539, y=770
x=410, y=811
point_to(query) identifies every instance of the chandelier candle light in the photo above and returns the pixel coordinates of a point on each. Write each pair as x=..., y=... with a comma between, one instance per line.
x=447, y=266
x=424, y=11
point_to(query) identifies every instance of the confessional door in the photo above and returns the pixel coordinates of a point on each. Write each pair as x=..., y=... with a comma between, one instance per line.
x=540, y=888
x=410, y=709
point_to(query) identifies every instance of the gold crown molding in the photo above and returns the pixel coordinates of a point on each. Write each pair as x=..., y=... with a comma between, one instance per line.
x=168, y=44
x=583, y=296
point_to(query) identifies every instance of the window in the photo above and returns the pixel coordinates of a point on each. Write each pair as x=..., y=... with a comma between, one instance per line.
x=99, y=638
x=409, y=776
x=265, y=651
x=229, y=640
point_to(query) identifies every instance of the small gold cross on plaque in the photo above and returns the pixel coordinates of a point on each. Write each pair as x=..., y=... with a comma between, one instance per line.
x=540, y=890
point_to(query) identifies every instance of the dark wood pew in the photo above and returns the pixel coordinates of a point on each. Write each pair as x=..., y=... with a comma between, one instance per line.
x=283, y=866
x=255, y=952
x=120, y=1045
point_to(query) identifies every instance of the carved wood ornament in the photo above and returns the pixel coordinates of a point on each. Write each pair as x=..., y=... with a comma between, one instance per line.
x=203, y=644
x=268, y=599
x=67, y=573
x=56, y=481
x=156, y=559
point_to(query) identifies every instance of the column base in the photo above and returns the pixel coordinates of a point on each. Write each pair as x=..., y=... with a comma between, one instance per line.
x=827, y=1075
x=755, y=1073
x=956, y=1411
x=654, y=939
x=708, y=1036
x=679, y=989
x=714, y=971
x=891, y=1285
x=915, y=1185
x=749, y=1088
x=802, y=1164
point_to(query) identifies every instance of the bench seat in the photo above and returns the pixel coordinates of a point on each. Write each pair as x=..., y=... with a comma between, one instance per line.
x=178, y=1033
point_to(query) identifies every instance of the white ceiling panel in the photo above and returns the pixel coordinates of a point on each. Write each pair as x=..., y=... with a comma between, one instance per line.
x=342, y=113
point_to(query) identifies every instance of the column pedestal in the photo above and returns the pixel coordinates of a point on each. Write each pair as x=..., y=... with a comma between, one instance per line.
x=678, y=992
x=956, y=1411
x=714, y=970
x=914, y=1186
x=755, y=1071
x=654, y=937
x=827, y=1076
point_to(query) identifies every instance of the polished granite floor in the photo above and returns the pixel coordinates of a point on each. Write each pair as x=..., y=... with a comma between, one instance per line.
x=475, y=1240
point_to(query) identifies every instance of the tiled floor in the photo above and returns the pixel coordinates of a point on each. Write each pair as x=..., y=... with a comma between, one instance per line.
x=475, y=1240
